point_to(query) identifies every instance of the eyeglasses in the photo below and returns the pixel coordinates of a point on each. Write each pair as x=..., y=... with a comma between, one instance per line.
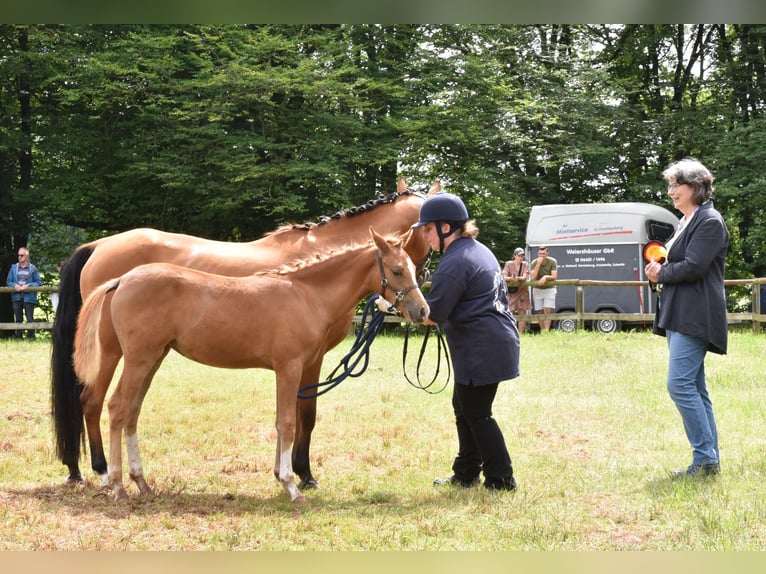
x=673, y=186
x=22, y=254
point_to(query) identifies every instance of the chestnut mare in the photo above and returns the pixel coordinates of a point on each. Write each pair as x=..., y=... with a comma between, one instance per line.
x=281, y=320
x=94, y=263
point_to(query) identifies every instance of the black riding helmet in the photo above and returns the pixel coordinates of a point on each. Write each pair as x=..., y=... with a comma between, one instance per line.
x=443, y=208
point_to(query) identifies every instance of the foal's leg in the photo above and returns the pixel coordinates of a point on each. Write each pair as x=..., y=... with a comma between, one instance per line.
x=287, y=395
x=135, y=468
x=92, y=401
x=117, y=415
x=124, y=408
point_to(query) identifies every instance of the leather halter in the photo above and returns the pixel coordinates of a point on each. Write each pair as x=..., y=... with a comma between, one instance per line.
x=384, y=285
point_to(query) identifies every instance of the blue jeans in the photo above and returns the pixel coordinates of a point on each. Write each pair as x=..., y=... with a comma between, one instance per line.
x=687, y=388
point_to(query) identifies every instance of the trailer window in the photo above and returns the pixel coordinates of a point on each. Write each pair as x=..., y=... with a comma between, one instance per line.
x=659, y=230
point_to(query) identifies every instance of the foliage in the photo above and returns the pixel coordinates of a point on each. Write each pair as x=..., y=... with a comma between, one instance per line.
x=228, y=131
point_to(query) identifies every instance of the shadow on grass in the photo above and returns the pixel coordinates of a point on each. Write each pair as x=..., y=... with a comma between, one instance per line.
x=90, y=499
x=669, y=485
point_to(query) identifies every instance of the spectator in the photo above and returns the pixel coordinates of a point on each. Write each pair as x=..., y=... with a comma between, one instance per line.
x=518, y=297
x=691, y=307
x=21, y=276
x=544, y=270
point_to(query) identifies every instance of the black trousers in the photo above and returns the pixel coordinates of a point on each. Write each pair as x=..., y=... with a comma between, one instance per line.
x=19, y=309
x=481, y=445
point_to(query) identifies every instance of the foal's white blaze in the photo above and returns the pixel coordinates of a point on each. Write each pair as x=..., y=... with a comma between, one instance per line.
x=412, y=268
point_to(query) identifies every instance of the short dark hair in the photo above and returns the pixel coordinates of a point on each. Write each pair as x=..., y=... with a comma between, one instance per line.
x=691, y=172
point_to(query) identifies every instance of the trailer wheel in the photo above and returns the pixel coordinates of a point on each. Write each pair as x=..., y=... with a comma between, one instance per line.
x=606, y=326
x=567, y=325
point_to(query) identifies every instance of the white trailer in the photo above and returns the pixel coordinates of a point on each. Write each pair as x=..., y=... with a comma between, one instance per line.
x=604, y=242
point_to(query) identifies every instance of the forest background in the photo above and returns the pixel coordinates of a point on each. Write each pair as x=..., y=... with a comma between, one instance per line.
x=229, y=131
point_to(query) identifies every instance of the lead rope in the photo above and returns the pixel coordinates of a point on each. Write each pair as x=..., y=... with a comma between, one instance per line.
x=441, y=350
x=360, y=350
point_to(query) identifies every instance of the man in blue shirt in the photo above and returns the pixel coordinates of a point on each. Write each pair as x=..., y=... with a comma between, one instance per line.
x=468, y=297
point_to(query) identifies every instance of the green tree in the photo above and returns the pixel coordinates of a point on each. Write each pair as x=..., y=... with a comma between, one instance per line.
x=740, y=88
x=228, y=131
x=21, y=66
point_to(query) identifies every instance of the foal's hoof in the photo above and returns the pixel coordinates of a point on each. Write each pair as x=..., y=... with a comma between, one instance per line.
x=120, y=494
x=299, y=499
x=143, y=487
x=75, y=479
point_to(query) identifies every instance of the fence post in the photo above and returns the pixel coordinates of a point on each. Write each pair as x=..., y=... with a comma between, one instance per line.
x=580, y=306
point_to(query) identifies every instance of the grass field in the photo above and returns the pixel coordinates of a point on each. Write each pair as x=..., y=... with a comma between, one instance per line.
x=591, y=430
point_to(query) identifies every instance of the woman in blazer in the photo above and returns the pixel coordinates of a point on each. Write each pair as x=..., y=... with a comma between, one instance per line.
x=691, y=307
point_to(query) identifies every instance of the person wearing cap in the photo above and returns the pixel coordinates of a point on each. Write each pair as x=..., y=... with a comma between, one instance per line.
x=518, y=297
x=468, y=297
x=543, y=270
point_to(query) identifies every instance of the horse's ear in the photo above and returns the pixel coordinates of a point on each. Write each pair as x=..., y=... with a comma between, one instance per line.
x=378, y=239
x=408, y=239
x=401, y=185
x=436, y=187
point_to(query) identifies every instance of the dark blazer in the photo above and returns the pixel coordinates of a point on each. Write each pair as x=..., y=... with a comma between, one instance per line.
x=692, y=300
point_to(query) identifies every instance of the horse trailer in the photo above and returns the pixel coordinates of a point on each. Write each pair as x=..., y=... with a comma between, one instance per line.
x=601, y=242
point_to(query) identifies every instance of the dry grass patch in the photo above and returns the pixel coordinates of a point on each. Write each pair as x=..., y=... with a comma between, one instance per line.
x=589, y=426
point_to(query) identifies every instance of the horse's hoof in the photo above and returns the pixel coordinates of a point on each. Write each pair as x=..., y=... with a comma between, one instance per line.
x=308, y=484
x=120, y=495
x=299, y=499
x=75, y=479
x=144, y=488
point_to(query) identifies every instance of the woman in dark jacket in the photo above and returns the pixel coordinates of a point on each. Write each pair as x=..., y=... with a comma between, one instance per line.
x=691, y=307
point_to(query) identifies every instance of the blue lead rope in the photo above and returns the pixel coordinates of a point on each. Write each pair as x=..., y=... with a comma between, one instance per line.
x=360, y=351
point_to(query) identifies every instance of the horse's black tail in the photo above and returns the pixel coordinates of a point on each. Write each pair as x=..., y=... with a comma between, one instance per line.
x=65, y=389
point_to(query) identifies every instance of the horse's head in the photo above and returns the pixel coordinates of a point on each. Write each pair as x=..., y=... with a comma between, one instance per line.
x=415, y=244
x=398, y=275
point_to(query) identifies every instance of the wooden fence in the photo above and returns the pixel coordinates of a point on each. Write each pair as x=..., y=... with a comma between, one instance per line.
x=37, y=325
x=755, y=316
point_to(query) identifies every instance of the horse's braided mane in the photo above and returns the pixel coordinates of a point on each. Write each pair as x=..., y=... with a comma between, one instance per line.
x=350, y=212
x=315, y=258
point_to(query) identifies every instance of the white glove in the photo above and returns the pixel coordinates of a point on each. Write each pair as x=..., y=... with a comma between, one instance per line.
x=383, y=305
